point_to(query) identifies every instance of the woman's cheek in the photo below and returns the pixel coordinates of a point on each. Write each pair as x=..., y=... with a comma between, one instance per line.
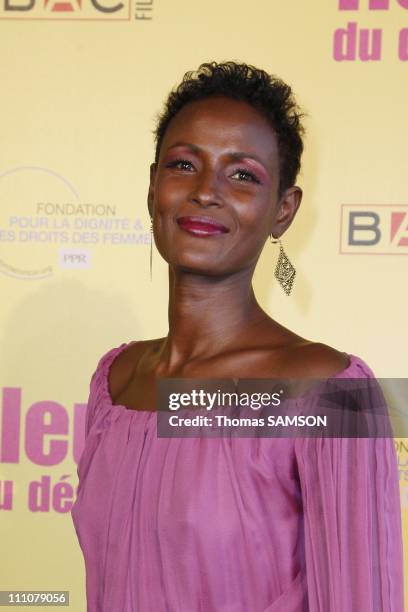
x=167, y=192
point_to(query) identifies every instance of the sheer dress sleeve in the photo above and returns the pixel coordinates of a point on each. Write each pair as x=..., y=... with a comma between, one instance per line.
x=352, y=522
x=98, y=388
x=90, y=405
x=96, y=410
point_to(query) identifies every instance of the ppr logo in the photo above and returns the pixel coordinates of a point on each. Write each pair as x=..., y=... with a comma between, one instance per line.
x=376, y=229
x=81, y=10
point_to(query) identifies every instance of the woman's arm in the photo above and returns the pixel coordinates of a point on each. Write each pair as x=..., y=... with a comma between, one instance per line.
x=352, y=523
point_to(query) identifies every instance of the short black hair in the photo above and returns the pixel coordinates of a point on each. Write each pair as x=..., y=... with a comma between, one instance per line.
x=268, y=94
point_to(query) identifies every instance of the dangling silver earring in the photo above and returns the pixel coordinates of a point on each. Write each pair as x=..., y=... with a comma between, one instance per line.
x=151, y=246
x=285, y=271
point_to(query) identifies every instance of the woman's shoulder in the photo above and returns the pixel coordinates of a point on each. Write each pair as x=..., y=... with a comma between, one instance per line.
x=291, y=355
x=320, y=360
x=117, y=365
x=123, y=355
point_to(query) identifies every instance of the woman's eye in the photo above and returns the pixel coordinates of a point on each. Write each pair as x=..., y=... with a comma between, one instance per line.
x=245, y=175
x=181, y=164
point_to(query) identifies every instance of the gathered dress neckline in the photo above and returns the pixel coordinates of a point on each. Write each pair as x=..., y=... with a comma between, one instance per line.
x=106, y=396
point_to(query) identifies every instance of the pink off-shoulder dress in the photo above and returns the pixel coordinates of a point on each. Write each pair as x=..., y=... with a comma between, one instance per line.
x=234, y=524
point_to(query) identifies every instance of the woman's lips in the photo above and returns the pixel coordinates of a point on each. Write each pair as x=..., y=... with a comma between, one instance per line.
x=201, y=226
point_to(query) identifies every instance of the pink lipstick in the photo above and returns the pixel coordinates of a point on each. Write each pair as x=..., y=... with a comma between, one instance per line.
x=201, y=225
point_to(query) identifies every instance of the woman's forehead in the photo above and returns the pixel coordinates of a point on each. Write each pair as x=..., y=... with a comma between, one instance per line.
x=219, y=122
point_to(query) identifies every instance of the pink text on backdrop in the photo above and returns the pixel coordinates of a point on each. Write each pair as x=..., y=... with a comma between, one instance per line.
x=44, y=420
x=43, y=495
x=372, y=5
x=354, y=42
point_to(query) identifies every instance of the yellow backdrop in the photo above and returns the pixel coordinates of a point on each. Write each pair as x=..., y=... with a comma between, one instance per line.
x=81, y=85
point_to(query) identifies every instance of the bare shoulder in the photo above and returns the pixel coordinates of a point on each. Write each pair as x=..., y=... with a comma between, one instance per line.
x=319, y=360
x=125, y=363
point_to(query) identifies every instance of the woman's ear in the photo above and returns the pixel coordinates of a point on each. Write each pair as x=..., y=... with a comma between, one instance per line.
x=150, y=194
x=287, y=208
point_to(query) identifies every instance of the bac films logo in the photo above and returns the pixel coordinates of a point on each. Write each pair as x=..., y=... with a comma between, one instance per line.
x=380, y=229
x=78, y=10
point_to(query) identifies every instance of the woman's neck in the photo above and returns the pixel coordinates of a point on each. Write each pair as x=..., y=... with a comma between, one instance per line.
x=208, y=316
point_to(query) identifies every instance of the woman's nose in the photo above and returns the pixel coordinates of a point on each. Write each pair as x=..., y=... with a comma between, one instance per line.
x=206, y=189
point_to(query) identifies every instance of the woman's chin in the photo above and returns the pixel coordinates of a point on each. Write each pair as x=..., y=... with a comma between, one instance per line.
x=199, y=269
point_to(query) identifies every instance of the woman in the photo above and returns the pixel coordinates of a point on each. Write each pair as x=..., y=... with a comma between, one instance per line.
x=229, y=525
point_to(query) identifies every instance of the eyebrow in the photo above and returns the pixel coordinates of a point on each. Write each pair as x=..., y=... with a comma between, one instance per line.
x=242, y=155
x=236, y=155
x=187, y=145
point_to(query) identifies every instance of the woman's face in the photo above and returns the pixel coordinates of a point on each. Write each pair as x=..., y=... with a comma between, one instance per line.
x=219, y=158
